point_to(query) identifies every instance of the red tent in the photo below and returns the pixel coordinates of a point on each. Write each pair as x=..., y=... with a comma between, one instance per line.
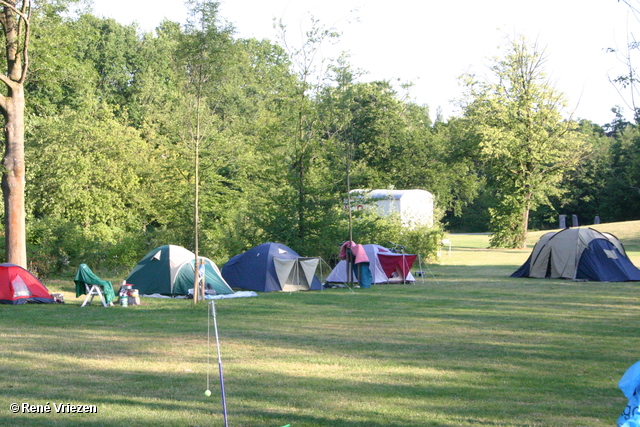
x=396, y=263
x=18, y=286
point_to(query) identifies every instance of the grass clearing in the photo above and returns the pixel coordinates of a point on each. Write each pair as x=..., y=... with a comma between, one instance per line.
x=469, y=346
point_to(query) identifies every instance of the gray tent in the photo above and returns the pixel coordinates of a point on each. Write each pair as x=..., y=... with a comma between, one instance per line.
x=579, y=254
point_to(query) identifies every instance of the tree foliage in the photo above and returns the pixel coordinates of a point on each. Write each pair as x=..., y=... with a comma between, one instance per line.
x=282, y=135
x=525, y=143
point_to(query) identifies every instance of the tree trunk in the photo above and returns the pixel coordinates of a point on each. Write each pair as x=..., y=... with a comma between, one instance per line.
x=525, y=221
x=13, y=179
x=15, y=24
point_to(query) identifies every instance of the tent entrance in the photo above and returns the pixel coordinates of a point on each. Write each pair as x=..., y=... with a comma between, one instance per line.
x=20, y=288
x=295, y=274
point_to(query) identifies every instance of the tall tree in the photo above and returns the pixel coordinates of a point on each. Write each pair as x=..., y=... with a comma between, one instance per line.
x=15, y=21
x=304, y=159
x=588, y=190
x=525, y=143
x=628, y=82
x=336, y=105
x=622, y=195
x=206, y=43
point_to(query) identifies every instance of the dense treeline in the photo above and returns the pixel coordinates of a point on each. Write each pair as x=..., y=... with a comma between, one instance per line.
x=114, y=117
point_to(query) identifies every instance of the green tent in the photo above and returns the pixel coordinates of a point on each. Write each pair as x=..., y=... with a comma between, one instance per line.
x=85, y=276
x=169, y=270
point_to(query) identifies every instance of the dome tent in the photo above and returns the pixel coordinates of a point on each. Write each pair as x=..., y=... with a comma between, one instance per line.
x=170, y=269
x=579, y=254
x=272, y=267
x=385, y=266
x=18, y=286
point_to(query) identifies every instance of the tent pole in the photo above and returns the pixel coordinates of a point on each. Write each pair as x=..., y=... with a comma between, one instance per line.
x=223, y=395
x=432, y=275
x=296, y=272
x=203, y=279
x=421, y=271
x=404, y=272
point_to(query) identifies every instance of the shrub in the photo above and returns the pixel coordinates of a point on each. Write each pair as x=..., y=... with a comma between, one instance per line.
x=57, y=247
x=388, y=231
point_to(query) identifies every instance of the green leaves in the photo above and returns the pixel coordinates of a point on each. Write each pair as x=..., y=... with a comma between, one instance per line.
x=87, y=171
x=117, y=119
x=525, y=144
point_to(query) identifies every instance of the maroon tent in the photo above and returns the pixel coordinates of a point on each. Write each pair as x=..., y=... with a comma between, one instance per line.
x=396, y=263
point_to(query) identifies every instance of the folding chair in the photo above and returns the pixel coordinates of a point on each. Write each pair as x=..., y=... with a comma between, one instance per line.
x=92, y=292
x=87, y=282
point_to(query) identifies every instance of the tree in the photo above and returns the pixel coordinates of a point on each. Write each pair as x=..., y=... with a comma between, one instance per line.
x=206, y=44
x=336, y=106
x=304, y=158
x=587, y=188
x=15, y=21
x=622, y=195
x=627, y=83
x=525, y=143
x=88, y=192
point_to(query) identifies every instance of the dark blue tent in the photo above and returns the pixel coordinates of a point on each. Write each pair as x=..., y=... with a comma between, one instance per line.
x=579, y=254
x=604, y=263
x=271, y=267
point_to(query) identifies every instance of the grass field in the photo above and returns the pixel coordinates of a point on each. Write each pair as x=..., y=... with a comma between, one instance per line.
x=468, y=346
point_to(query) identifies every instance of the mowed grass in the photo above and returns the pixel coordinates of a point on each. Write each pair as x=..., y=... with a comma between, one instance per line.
x=466, y=346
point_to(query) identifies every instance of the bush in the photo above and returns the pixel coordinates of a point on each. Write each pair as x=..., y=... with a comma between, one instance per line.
x=369, y=227
x=424, y=241
x=57, y=247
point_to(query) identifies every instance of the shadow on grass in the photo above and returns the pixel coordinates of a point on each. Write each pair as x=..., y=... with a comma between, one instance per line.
x=255, y=396
x=460, y=352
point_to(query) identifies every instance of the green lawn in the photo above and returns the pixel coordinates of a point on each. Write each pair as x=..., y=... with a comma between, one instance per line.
x=468, y=346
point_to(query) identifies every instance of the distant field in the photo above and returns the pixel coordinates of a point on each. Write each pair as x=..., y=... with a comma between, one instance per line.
x=471, y=249
x=465, y=346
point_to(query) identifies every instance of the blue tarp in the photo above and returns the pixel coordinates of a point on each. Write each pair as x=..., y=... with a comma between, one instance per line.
x=630, y=386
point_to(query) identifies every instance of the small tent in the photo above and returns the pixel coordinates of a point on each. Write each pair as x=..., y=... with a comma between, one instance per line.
x=18, y=286
x=385, y=266
x=170, y=269
x=579, y=254
x=271, y=267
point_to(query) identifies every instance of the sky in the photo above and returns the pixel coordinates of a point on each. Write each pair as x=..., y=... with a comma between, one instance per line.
x=431, y=43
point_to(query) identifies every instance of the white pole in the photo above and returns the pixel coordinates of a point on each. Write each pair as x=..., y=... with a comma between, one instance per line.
x=224, y=399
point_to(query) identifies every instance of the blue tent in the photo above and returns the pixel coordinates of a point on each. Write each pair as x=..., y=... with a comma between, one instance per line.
x=271, y=267
x=579, y=254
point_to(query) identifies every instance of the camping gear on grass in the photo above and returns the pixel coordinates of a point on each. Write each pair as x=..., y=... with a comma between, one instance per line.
x=385, y=266
x=272, y=267
x=630, y=386
x=579, y=254
x=88, y=283
x=169, y=270
x=18, y=286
